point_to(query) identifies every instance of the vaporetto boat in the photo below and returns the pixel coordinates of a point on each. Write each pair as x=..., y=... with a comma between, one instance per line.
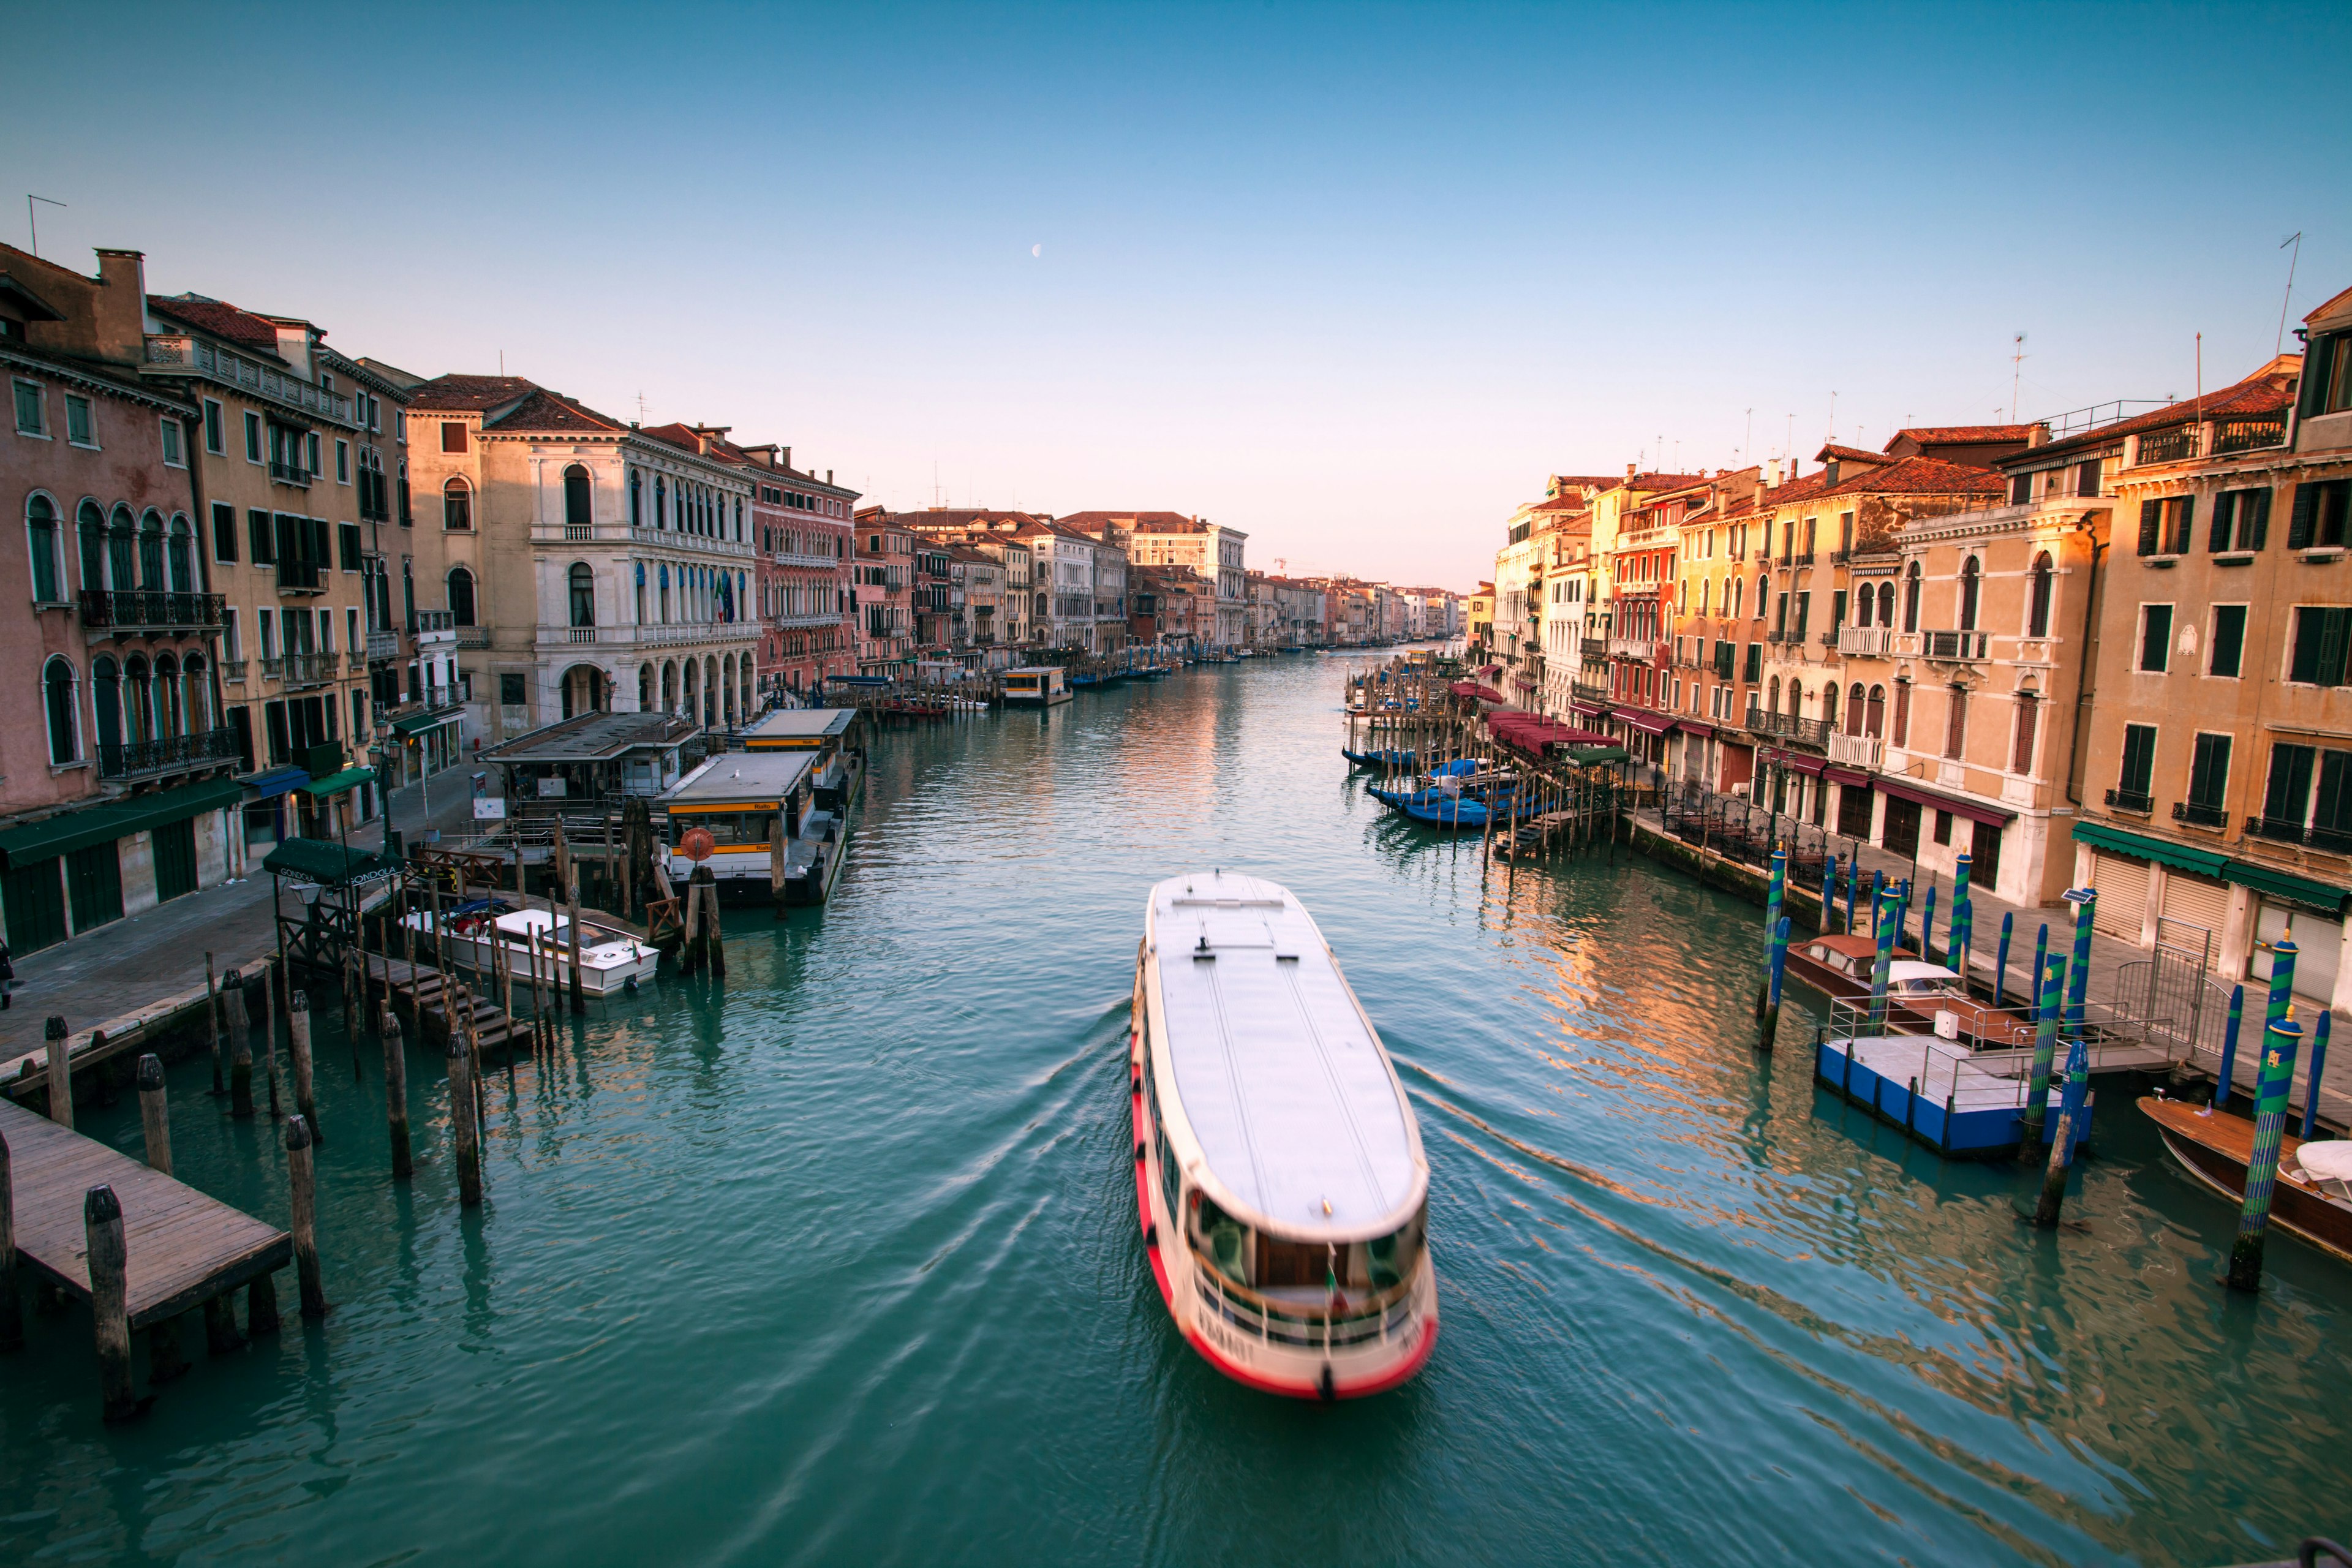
x=1279, y=1177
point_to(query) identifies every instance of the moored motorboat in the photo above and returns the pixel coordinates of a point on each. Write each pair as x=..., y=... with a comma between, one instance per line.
x=1840, y=967
x=611, y=961
x=2214, y=1146
x=1280, y=1180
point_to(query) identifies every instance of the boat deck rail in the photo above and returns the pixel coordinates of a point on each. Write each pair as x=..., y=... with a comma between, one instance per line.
x=1298, y=1323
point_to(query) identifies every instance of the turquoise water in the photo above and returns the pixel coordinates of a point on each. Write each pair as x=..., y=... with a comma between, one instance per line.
x=837, y=1261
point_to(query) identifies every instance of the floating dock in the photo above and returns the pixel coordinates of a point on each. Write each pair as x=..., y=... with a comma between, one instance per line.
x=1934, y=1093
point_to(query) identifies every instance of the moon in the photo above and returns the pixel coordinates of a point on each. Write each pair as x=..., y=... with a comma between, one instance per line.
x=1037, y=250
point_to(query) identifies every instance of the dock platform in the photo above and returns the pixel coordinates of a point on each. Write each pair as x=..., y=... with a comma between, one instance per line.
x=1934, y=1093
x=183, y=1248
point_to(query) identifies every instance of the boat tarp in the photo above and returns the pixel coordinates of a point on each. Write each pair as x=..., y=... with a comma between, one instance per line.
x=71, y=830
x=1597, y=756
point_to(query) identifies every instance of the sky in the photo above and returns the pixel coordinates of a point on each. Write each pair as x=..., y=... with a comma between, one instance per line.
x=1353, y=280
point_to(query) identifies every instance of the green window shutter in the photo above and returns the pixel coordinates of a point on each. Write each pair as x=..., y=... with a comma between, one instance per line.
x=2149, y=511
x=2304, y=663
x=2208, y=774
x=2139, y=758
x=2224, y=504
x=2298, y=523
x=2333, y=627
x=2156, y=638
x=257, y=523
x=2229, y=639
x=2251, y=536
x=2184, y=526
x=2316, y=364
x=2290, y=785
x=2334, y=813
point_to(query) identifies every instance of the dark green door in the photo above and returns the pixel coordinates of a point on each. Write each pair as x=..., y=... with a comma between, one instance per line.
x=176, y=859
x=35, y=900
x=94, y=879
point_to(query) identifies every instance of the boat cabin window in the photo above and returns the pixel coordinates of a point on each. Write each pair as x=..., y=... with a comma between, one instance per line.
x=1224, y=1238
x=733, y=827
x=1922, y=987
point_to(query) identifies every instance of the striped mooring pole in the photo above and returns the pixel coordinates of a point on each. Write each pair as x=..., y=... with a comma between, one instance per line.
x=2045, y=1051
x=1882, y=967
x=2224, y=1085
x=1956, y=954
x=2062, y=1145
x=1829, y=894
x=1776, y=965
x=2311, y=1079
x=2078, y=984
x=1928, y=927
x=2041, y=962
x=2279, y=1048
x=2000, y=958
x=1774, y=891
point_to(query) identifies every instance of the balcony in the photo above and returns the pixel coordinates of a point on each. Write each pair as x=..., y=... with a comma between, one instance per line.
x=1865, y=641
x=1810, y=733
x=293, y=474
x=2248, y=434
x=1803, y=558
x=796, y=558
x=2168, y=446
x=301, y=577
x=185, y=350
x=818, y=619
x=473, y=636
x=148, y=610
x=2200, y=815
x=383, y=644
x=356, y=663
x=1640, y=650
x=299, y=671
x=232, y=670
x=1954, y=647
x=1857, y=751
x=2131, y=801
x=139, y=759
x=2280, y=830
x=1841, y=557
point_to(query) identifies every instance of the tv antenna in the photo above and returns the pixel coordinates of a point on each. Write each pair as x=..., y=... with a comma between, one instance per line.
x=33, y=222
x=2016, y=372
x=2295, y=239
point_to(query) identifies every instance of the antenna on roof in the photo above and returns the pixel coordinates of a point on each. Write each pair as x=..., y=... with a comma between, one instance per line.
x=2016, y=363
x=502, y=361
x=1833, y=414
x=2295, y=239
x=643, y=412
x=34, y=224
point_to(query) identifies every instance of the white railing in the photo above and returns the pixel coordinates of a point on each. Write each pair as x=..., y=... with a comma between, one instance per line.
x=822, y=562
x=1856, y=751
x=1865, y=640
x=1639, y=650
x=180, y=348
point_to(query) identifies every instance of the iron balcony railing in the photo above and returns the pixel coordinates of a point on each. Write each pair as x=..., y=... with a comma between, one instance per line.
x=133, y=759
x=300, y=577
x=2203, y=815
x=289, y=473
x=2130, y=800
x=1811, y=732
x=2167, y=446
x=2249, y=435
x=297, y=669
x=1803, y=558
x=2282, y=830
x=147, y=609
x=1955, y=646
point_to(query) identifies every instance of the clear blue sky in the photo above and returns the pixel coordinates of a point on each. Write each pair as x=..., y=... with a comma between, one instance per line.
x=1352, y=278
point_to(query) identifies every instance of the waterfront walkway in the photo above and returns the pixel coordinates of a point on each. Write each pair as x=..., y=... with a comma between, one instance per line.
x=110, y=976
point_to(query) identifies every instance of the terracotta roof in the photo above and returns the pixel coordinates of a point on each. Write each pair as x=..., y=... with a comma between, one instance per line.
x=1849, y=455
x=1655, y=481
x=217, y=317
x=1922, y=477
x=2269, y=391
x=1139, y=522
x=467, y=393
x=1957, y=435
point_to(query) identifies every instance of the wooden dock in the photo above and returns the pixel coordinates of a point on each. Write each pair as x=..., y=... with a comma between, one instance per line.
x=424, y=994
x=183, y=1248
x=127, y=1033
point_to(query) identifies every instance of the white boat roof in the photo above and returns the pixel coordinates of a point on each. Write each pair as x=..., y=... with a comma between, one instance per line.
x=747, y=778
x=1912, y=969
x=1299, y=1116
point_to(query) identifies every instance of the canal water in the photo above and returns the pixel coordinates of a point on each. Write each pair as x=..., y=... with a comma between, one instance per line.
x=837, y=1261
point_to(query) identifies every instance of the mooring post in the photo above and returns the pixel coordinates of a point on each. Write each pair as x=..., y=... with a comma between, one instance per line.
x=2318, y=1065
x=1881, y=969
x=11, y=1307
x=298, y=1030
x=261, y=1305
x=714, y=941
x=2061, y=1146
x=2041, y=957
x=2223, y=1085
x=463, y=1125
x=2078, y=978
x=572, y=909
x=1877, y=900
x=1961, y=918
x=1774, y=890
x=2045, y=1051
x=303, y=1184
x=220, y=1325
x=154, y=1113
x=53, y=1034
x=2277, y=1079
x=240, y=1047
x=1853, y=876
x=2000, y=958
x=1829, y=894
x=1928, y=927
x=1776, y=965
x=258, y=1014
x=212, y=1033
x=396, y=1096
x=110, y=1299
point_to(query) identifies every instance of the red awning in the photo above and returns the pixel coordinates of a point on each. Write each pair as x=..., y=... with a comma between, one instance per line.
x=1524, y=682
x=1492, y=670
x=1695, y=726
x=1975, y=811
x=1649, y=723
x=1592, y=709
x=1796, y=763
x=1471, y=688
x=1845, y=776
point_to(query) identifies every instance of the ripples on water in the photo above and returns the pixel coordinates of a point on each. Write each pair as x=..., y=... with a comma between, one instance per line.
x=837, y=1262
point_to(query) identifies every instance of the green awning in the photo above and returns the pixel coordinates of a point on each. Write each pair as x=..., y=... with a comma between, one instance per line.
x=2286, y=885
x=1595, y=756
x=416, y=722
x=71, y=830
x=2179, y=857
x=327, y=863
x=336, y=784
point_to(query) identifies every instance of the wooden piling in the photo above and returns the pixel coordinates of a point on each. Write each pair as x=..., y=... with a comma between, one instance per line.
x=61, y=1107
x=212, y=1033
x=109, y=1302
x=240, y=1047
x=258, y=1015
x=154, y=1112
x=579, y=1002
x=220, y=1326
x=302, y=1180
x=11, y=1307
x=463, y=1126
x=395, y=1097
x=298, y=1031
x=714, y=936
x=261, y=1305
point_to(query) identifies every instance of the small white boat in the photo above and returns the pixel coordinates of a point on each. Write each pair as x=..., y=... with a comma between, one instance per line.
x=1279, y=1176
x=610, y=962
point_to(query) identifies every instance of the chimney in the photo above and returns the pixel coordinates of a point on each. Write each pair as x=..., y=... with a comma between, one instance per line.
x=828, y=476
x=1629, y=473
x=120, y=306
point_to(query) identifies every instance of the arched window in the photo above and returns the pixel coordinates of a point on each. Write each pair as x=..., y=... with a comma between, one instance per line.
x=41, y=544
x=461, y=596
x=576, y=509
x=182, y=564
x=121, y=551
x=200, y=693
x=1796, y=698
x=661, y=501
x=2037, y=619
x=458, y=507
x=170, y=715
x=1829, y=705
x=1763, y=591
x=1971, y=584
x=584, y=594
x=91, y=527
x=58, y=700
x=140, y=685
x=670, y=686
x=105, y=701
x=1854, y=701
x=1874, y=723
x=1775, y=698
x=151, y=552
x=1911, y=598
x=1886, y=606
x=645, y=687
x=636, y=498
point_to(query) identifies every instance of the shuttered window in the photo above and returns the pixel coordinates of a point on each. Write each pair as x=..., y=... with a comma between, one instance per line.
x=2240, y=521
x=2229, y=640
x=2287, y=798
x=263, y=535
x=2318, y=522
x=2331, y=814
x=2154, y=638
x=2321, y=633
x=2140, y=765
x=2122, y=886
x=2165, y=525
x=2208, y=781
